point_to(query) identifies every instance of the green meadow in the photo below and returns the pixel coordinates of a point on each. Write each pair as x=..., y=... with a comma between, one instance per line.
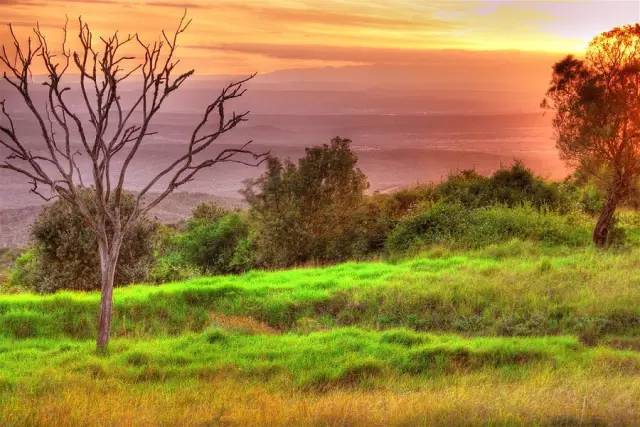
x=321, y=298
x=515, y=333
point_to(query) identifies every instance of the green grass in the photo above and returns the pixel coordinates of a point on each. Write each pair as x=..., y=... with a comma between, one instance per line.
x=341, y=357
x=517, y=333
x=512, y=289
x=44, y=381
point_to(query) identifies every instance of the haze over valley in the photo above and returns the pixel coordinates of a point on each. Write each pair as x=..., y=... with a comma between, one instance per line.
x=409, y=124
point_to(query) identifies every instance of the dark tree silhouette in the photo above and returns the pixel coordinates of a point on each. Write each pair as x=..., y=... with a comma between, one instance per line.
x=112, y=131
x=597, y=114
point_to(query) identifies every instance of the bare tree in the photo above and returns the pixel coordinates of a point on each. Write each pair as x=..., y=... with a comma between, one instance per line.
x=112, y=130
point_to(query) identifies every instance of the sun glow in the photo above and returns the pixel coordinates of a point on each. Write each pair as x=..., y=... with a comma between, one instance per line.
x=230, y=37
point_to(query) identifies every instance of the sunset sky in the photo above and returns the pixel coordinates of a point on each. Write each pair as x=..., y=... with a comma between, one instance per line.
x=263, y=36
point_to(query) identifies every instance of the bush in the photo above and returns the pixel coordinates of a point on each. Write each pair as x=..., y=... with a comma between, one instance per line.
x=430, y=224
x=444, y=223
x=24, y=273
x=217, y=247
x=308, y=211
x=171, y=267
x=7, y=259
x=591, y=199
x=514, y=186
x=65, y=253
x=213, y=241
x=466, y=188
x=443, y=213
x=380, y=213
x=496, y=224
x=207, y=212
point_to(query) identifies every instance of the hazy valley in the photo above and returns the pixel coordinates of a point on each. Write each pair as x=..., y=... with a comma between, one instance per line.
x=403, y=133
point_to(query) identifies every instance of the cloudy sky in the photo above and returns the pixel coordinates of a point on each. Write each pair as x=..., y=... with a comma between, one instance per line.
x=242, y=36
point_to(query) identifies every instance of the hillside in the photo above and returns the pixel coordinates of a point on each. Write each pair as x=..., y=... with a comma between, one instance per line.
x=517, y=333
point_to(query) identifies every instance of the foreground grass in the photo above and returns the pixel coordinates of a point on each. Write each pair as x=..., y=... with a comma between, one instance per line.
x=540, y=399
x=513, y=334
x=343, y=377
x=512, y=289
x=316, y=361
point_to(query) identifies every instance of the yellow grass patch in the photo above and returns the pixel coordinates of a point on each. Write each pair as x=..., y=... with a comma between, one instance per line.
x=543, y=399
x=243, y=324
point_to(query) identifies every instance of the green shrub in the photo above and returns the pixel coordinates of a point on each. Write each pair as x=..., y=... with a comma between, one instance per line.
x=430, y=224
x=207, y=212
x=219, y=246
x=243, y=258
x=212, y=241
x=172, y=267
x=467, y=188
x=8, y=257
x=306, y=212
x=24, y=273
x=499, y=224
x=512, y=186
x=66, y=251
x=591, y=199
x=169, y=263
x=454, y=225
x=380, y=213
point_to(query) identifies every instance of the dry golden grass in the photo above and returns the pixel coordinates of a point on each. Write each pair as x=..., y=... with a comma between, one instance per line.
x=478, y=399
x=242, y=324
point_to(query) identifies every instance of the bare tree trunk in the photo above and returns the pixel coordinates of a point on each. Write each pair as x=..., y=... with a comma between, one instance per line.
x=108, y=262
x=605, y=220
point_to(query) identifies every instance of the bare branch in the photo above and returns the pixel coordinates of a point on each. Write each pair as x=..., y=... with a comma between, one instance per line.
x=113, y=129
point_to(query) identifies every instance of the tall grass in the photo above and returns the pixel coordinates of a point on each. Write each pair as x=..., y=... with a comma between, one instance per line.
x=510, y=289
x=342, y=377
x=514, y=333
x=470, y=400
x=316, y=361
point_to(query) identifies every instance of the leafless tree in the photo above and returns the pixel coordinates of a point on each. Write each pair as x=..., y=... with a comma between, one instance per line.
x=112, y=130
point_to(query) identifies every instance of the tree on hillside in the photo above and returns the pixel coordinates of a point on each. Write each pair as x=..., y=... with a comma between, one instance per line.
x=105, y=132
x=305, y=212
x=597, y=114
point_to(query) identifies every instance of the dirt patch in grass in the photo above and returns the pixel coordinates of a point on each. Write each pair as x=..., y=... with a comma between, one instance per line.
x=243, y=324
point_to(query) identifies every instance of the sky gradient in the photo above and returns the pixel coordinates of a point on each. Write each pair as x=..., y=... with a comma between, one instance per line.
x=229, y=37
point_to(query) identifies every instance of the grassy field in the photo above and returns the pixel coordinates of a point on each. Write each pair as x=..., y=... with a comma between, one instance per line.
x=513, y=334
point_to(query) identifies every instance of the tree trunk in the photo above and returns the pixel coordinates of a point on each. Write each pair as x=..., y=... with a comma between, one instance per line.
x=108, y=262
x=605, y=220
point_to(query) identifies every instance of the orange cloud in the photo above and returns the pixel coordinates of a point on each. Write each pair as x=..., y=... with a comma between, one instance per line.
x=265, y=35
